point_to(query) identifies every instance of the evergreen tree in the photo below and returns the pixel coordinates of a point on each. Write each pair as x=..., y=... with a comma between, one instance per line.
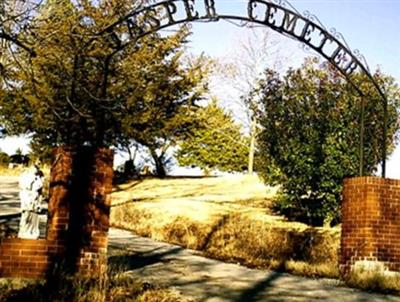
x=80, y=91
x=216, y=143
x=161, y=108
x=15, y=23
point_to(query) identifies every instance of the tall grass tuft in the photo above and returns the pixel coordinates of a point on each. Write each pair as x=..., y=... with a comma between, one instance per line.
x=116, y=286
x=375, y=281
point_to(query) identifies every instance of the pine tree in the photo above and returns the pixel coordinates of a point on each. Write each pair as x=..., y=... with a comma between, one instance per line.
x=216, y=144
x=79, y=91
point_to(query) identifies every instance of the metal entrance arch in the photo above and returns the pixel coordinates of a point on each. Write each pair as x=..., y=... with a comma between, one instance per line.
x=278, y=15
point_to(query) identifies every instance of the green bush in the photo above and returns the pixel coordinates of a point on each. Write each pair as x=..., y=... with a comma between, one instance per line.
x=311, y=137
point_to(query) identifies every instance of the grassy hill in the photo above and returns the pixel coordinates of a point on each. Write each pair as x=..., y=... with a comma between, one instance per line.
x=227, y=218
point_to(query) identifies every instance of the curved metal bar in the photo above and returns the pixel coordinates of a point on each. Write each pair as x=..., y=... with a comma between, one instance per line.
x=274, y=14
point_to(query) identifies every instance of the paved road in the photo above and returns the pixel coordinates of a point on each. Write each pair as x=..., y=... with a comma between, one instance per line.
x=207, y=280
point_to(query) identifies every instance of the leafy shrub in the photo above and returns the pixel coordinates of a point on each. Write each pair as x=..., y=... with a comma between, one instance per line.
x=311, y=134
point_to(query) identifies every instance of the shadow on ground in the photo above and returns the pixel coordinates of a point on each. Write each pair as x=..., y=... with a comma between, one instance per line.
x=207, y=280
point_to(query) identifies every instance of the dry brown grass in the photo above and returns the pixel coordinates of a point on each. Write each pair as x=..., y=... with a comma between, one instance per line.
x=5, y=171
x=117, y=285
x=116, y=288
x=227, y=218
x=222, y=190
x=16, y=171
x=376, y=281
x=161, y=295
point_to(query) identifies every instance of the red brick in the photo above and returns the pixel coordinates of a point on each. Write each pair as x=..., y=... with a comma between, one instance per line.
x=30, y=258
x=371, y=224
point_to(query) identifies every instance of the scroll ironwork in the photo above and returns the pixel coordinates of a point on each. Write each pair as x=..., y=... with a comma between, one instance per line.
x=278, y=15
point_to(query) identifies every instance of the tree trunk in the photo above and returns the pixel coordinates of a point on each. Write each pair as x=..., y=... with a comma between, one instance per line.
x=132, y=156
x=160, y=169
x=128, y=148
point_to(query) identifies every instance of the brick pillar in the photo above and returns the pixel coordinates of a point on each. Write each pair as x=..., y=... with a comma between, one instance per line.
x=79, y=207
x=60, y=186
x=370, y=225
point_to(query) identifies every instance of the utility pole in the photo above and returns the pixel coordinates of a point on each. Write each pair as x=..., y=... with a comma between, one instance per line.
x=253, y=128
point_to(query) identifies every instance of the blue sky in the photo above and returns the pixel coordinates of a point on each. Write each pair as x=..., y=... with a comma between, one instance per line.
x=373, y=27
x=370, y=26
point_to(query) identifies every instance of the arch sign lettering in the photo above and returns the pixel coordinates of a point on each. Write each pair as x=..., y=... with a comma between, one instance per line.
x=278, y=15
